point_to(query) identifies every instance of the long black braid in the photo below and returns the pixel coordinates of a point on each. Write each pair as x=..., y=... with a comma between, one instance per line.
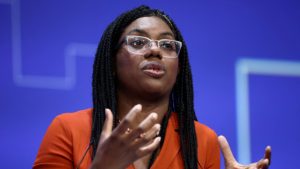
x=104, y=86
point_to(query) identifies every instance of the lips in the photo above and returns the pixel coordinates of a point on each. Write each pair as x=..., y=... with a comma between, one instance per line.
x=153, y=69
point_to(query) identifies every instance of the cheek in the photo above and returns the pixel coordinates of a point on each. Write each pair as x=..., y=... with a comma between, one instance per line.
x=122, y=63
x=174, y=69
x=125, y=64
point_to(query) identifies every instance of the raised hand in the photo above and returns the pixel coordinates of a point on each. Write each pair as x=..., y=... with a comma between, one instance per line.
x=231, y=163
x=126, y=143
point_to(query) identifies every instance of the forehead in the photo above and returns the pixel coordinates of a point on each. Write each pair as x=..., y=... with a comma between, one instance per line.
x=153, y=27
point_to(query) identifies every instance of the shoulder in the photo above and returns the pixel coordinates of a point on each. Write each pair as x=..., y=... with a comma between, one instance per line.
x=204, y=131
x=65, y=140
x=81, y=117
x=74, y=124
x=206, y=137
x=208, y=146
x=68, y=129
x=67, y=126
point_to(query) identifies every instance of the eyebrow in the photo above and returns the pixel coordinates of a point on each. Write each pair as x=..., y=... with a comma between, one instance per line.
x=138, y=31
x=167, y=34
x=146, y=34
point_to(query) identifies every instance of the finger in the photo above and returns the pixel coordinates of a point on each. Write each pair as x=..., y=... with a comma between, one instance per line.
x=228, y=156
x=148, y=148
x=262, y=164
x=268, y=154
x=129, y=118
x=108, y=125
x=144, y=126
x=148, y=137
x=153, y=132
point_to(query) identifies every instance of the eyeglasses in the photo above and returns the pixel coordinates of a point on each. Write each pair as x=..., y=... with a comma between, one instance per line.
x=140, y=45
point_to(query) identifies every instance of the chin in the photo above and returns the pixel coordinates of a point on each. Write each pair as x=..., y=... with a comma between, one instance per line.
x=156, y=90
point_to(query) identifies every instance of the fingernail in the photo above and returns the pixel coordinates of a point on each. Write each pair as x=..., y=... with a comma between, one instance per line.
x=154, y=116
x=158, y=130
x=138, y=107
x=157, y=126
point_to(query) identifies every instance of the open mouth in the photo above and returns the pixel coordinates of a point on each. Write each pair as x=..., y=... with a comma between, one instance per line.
x=153, y=69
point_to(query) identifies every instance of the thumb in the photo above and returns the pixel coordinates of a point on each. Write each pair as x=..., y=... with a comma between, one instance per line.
x=228, y=156
x=107, y=126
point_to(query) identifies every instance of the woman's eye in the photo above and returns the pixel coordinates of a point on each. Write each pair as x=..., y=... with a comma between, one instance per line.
x=168, y=45
x=137, y=43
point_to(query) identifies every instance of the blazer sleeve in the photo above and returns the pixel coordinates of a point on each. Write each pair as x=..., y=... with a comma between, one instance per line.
x=56, y=148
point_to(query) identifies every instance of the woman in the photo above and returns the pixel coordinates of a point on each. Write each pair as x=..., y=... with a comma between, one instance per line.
x=143, y=111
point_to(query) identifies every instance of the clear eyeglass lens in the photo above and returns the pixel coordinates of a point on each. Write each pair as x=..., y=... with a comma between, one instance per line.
x=136, y=42
x=140, y=45
x=170, y=45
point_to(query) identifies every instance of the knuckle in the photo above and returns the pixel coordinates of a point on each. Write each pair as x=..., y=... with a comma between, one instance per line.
x=144, y=139
x=126, y=121
x=140, y=129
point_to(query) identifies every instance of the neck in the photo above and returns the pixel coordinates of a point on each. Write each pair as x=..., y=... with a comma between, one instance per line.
x=126, y=102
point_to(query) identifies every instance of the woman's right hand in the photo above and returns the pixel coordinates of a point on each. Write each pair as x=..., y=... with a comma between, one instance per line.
x=125, y=144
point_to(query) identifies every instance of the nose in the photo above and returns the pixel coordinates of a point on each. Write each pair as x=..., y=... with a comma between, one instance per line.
x=154, y=50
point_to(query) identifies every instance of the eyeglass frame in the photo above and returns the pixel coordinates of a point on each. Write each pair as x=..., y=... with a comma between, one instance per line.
x=157, y=42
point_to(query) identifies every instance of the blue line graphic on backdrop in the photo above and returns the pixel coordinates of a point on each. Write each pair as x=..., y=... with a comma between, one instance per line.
x=243, y=68
x=36, y=81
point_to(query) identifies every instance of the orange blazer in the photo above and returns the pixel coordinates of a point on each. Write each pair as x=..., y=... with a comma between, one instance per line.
x=68, y=137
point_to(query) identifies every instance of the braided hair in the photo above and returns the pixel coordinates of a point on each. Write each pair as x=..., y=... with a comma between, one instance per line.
x=104, y=86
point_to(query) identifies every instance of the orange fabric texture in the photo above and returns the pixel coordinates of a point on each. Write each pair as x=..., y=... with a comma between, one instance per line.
x=68, y=136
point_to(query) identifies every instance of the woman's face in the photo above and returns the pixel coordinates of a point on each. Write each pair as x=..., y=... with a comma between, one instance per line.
x=146, y=74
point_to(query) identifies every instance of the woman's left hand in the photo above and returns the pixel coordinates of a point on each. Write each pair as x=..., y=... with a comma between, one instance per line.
x=231, y=163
